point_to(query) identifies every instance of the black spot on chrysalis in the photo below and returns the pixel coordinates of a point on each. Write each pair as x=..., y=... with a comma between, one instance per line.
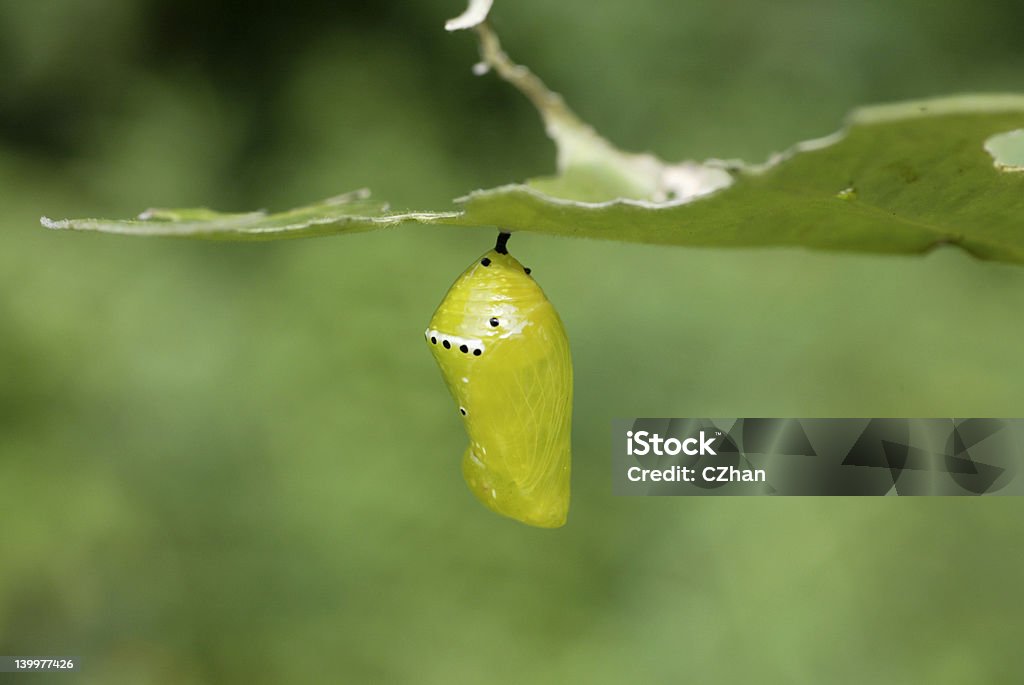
x=485, y=261
x=477, y=353
x=493, y=321
x=447, y=345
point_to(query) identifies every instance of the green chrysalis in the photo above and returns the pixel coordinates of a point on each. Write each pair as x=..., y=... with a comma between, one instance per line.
x=505, y=357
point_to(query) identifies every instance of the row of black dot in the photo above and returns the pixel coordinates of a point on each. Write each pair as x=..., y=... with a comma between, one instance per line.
x=462, y=348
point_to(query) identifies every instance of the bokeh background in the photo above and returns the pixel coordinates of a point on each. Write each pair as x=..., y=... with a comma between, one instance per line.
x=237, y=463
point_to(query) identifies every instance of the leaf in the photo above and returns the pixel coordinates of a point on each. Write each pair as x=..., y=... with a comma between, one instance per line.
x=903, y=177
x=899, y=178
x=350, y=213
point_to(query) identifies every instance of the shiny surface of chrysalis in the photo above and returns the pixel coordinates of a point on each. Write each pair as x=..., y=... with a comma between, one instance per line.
x=504, y=354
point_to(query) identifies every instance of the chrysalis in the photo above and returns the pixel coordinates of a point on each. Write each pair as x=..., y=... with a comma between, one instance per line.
x=505, y=357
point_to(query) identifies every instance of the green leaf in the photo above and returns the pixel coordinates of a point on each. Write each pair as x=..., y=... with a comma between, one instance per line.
x=899, y=178
x=350, y=213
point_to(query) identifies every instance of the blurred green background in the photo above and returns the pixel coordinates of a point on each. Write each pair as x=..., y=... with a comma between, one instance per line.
x=236, y=463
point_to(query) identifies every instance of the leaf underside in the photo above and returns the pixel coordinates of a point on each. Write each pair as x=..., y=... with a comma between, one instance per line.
x=894, y=186
x=900, y=178
x=352, y=212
